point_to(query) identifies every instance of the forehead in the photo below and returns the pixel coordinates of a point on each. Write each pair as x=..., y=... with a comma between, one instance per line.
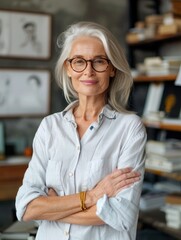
x=87, y=46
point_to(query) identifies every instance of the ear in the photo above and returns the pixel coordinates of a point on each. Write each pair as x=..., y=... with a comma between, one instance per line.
x=112, y=72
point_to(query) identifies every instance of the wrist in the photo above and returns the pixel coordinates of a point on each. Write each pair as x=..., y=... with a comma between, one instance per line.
x=91, y=199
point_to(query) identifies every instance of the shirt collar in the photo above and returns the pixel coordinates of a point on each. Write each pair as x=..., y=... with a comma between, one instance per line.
x=107, y=111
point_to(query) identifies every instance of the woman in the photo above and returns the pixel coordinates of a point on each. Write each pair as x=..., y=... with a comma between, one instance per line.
x=84, y=180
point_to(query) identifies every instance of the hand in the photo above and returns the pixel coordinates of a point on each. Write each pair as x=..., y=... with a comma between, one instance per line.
x=114, y=183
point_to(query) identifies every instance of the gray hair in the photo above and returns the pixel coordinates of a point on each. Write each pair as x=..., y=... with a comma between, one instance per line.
x=120, y=85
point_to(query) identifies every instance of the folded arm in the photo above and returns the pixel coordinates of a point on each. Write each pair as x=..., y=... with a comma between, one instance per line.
x=67, y=208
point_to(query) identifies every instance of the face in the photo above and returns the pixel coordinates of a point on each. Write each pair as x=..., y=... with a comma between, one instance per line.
x=89, y=82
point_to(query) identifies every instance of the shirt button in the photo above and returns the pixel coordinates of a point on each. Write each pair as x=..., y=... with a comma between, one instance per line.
x=66, y=233
x=71, y=174
x=78, y=148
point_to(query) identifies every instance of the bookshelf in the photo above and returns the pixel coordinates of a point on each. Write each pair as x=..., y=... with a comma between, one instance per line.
x=174, y=175
x=156, y=219
x=156, y=129
x=162, y=126
x=156, y=40
x=158, y=79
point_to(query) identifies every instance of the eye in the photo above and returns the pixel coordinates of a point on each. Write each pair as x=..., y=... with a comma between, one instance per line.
x=78, y=61
x=100, y=61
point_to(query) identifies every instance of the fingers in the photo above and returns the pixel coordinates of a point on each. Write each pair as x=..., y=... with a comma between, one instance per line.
x=116, y=181
x=123, y=171
x=122, y=178
x=127, y=178
x=126, y=182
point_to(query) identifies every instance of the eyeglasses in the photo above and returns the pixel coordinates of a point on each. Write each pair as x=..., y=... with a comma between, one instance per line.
x=79, y=64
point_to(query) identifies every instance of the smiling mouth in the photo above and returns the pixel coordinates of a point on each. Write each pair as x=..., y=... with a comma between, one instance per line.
x=88, y=82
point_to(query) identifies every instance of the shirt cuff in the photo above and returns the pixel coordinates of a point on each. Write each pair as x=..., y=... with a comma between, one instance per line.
x=107, y=213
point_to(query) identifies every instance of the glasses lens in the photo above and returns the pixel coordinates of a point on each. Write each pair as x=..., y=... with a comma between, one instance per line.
x=100, y=64
x=78, y=64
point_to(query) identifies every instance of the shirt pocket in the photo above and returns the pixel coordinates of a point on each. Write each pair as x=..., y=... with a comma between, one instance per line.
x=98, y=169
x=53, y=176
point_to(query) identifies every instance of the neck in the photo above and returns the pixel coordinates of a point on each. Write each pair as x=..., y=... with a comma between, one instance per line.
x=89, y=109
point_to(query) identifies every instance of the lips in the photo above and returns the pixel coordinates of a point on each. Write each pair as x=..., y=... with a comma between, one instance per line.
x=88, y=82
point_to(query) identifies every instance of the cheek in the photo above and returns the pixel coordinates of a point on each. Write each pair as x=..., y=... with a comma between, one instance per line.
x=75, y=80
x=103, y=86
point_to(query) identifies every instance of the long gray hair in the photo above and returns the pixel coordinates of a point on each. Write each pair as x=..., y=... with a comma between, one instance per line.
x=120, y=85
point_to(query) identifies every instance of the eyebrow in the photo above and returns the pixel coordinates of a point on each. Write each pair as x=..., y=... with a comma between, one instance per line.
x=97, y=56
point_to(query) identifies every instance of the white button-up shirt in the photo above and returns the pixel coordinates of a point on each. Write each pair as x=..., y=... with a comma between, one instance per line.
x=68, y=164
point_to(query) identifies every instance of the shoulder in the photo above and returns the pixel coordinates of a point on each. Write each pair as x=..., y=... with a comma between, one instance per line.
x=129, y=118
x=50, y=122
x=130, y=123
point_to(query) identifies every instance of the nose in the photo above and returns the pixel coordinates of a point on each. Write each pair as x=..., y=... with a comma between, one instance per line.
x=89, y=70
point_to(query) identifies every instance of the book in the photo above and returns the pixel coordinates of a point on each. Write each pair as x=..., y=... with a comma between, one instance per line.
x=169, y=148
x=152, y=200
x=153, y=99
x=137, y=98
x=172, y=215
x=170, y=101
x=164, y=158
x=167, y=186
x=166, y=166
x=2, y=142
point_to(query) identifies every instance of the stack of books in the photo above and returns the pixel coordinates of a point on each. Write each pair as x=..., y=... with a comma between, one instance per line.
x=152, y=200
x=164, y=156
x=172, y=210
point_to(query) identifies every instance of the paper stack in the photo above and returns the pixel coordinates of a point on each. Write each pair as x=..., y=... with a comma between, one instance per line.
x=164, y=156
x=172, y=210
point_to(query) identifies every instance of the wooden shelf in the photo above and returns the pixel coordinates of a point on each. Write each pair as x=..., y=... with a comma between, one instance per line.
x=156, y=218
x=11, y=176
x=162, y=78
x=163, y=126
x=174, y=175
x=156, y=40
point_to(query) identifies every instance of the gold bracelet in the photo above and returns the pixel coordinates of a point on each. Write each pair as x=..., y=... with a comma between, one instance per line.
x=82, y=200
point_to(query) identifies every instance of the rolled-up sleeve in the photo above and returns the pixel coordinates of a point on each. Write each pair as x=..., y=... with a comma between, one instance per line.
x=34, y=179
x=121, y=212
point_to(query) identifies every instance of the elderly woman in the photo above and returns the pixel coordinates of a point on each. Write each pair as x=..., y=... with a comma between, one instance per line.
x=85, y=176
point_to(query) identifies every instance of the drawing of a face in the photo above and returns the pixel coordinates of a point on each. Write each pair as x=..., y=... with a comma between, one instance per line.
x=30, y=30
x=34, y=82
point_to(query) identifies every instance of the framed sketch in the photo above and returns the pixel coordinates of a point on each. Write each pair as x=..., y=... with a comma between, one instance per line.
x=25, y=35
x=24, y=92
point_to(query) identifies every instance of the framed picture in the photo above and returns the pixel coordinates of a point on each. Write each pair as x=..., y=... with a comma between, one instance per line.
x=25, y=35
x=24, y=92
x=2, y=141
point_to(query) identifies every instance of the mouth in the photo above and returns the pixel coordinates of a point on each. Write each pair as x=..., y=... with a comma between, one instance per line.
x=89, y=82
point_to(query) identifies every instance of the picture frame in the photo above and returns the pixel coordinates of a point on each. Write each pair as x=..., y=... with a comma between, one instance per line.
x=25, y=34
x=24, y=92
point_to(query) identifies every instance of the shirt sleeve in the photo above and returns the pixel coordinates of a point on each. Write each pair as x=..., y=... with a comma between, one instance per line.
x=33, y=184
x=121, y=212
